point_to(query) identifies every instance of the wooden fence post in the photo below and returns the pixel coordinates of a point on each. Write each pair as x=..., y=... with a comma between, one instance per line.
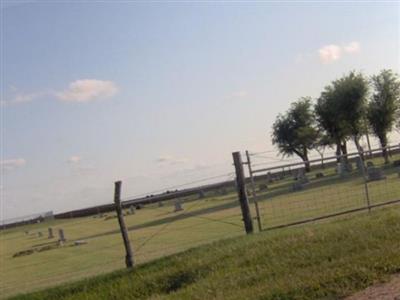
x=253, y=189
x=124, y=231
x=241, y=188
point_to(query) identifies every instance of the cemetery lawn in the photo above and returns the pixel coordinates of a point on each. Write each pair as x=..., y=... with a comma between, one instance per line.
x=156, y=232
x=316, y=261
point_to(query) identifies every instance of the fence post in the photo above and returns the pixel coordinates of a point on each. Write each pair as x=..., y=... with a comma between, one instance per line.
x=365, y=177
x=124, y=232
x=253, y=190
x=241, y=188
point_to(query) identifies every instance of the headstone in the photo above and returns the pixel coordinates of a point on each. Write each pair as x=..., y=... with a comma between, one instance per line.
x=132, y=210
x=50, y=233
x=262, y=187
x=349, y=167
x=201, y=194
x=301, y=176
x=80, y=242
x=300, y=173
x=319, y=175
x=223, y=191
x=396, y=163
x=360, y=165
x=342, y=169
x=178, y=206
x=297, y=186
x=160, y=204
x=375, y=173
x=61, y=237
x=269, y=178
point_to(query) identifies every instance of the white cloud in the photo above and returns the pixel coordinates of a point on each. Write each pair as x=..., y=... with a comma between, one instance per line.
x=11, y=164
x=74, y=159
x=85, y=90
x=20, y=97
x=170, y=160
x=353, y=47
x=330, y=53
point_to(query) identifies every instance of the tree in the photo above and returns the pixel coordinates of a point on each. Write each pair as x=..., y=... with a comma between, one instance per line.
x=341, y=110
x=383, y=106
x=295, y=132
x=322, y=142
x=326, y=113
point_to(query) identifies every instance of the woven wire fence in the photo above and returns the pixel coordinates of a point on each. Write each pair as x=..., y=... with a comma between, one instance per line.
x=287, y=195
x=31, y=259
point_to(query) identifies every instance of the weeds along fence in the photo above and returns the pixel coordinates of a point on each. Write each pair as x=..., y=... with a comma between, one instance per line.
x=35, y=256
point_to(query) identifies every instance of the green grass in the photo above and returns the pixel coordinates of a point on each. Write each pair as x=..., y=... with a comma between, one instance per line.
x=156, y=232
x=317, y=261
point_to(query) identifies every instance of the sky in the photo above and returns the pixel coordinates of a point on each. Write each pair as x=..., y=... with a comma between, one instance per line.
x=158, y=94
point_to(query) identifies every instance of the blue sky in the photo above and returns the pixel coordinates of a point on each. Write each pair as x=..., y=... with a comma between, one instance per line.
x=158, y=94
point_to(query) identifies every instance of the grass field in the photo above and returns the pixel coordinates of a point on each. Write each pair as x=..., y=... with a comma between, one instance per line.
x=316, y=261
x=158, y=231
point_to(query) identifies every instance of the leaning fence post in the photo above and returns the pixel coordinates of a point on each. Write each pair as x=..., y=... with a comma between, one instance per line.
x=124, y=232
x=365, y=179
x=241, y=188
x=253, y=190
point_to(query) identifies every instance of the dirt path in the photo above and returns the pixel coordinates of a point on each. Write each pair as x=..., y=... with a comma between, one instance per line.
x=382, y=291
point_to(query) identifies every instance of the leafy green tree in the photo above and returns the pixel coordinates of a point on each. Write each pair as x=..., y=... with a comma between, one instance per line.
x=341, y=110
x=295, y=132
x=383, y=106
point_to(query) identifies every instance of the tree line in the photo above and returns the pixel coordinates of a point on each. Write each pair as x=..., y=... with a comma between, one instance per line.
x=347, y=109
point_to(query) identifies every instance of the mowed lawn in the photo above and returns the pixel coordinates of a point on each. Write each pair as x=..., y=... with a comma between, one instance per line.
x=159, y=231
x=316, y=261
x=162, y=232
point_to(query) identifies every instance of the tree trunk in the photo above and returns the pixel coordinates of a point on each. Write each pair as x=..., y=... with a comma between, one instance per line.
x=343, y=147
x=321, y=153
x=359, y=148
x=306, y=162
x=383, y=141
x=338, y=151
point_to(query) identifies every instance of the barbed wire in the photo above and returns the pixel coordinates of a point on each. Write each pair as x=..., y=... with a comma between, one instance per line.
x=178, y=186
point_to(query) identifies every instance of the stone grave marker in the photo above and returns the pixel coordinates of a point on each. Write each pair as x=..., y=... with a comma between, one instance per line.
x=61, y=236
x=80, y=242
x=160, y=204
x=269, y=178
x=375, y=173
x=297, y=186
x=178, y=206
x=342, y=169
x=262, y=187
x=132, y=210
x=201, y=194
x=360, y=165
x=50, y=233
